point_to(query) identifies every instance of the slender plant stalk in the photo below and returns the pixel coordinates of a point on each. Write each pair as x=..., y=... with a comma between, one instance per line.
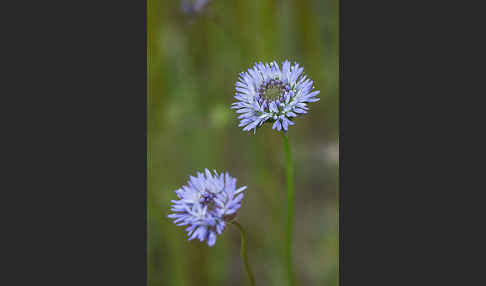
x=244, y=257
x=290, y=208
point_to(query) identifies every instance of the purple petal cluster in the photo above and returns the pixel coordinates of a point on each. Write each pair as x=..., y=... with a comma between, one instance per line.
x=268, y=93
x=192, y=7
x=205, y=204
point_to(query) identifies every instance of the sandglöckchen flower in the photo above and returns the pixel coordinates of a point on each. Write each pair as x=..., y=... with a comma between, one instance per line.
x=192, y=7
x=268, y=93
x=205, y=204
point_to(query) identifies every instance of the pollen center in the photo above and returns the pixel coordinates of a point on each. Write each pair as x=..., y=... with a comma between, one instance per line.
x=207, y=199
x=273, y=90
x=272, y=93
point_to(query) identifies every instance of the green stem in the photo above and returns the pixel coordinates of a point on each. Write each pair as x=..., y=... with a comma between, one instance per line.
x=290, y=208
x=244, y=257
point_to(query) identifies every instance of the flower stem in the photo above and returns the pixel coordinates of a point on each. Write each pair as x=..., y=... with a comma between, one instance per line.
x=290, y=208
x=244, y=257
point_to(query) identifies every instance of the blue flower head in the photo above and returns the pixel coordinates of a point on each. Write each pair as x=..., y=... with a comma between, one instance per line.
x=205, y=204
x=192, y=7
x=268, y=93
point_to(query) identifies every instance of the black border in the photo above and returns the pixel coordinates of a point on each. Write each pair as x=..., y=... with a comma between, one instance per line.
x=79, y=144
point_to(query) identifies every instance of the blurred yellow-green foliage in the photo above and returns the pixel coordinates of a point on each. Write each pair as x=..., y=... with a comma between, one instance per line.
x=193, y=63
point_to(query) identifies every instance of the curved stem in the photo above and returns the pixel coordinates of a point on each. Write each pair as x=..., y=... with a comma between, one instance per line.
x=290, y=208
x=244, y=257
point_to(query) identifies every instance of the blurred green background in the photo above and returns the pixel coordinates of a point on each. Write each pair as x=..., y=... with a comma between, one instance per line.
x=193, y=63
